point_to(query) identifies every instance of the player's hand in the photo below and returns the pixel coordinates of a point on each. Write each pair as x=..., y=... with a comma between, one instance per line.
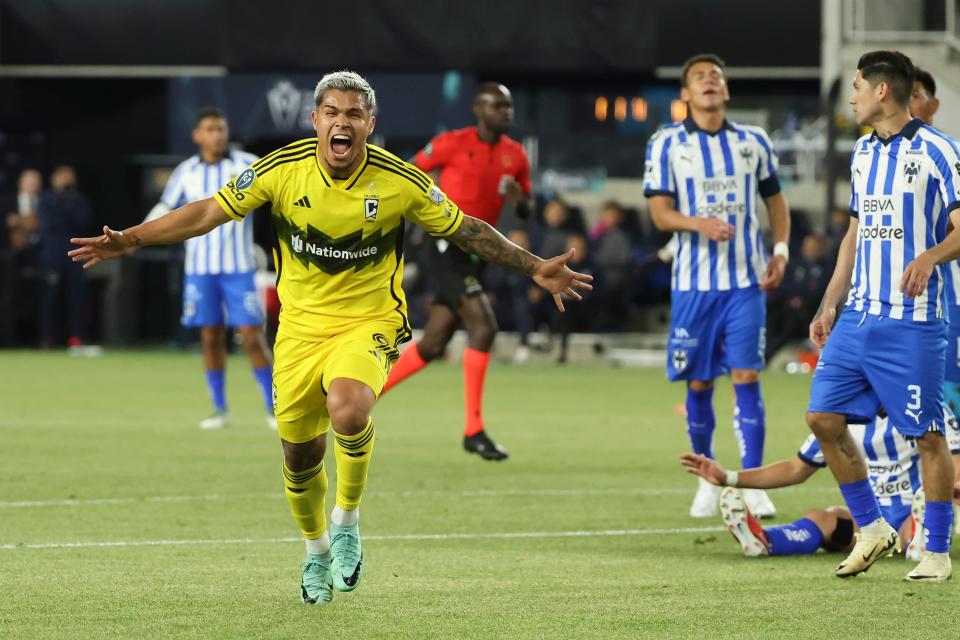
x=512, y=190
x=916, y=275
x=700, y=465
x=93, y=251
x=821, y=327
x=556, y=277
x=715, y=229
x=774, y=273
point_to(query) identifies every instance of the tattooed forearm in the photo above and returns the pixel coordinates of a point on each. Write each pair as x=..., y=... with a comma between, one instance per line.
x=477, y=237
x=135, y=240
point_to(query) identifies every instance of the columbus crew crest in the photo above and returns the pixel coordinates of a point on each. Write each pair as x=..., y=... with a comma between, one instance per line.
x=371, y=203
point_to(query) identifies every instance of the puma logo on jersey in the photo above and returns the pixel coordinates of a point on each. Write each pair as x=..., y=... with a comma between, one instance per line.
x=915, y=416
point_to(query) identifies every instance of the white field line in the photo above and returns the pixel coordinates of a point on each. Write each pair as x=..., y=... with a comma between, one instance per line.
x=479, y=493
x=386, y=538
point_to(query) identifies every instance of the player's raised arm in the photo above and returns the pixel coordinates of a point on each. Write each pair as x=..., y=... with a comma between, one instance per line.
x=822, y=322
x=477, y=237
x=191, y=220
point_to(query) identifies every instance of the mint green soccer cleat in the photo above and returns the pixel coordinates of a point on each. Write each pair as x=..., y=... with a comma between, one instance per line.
x=316, y=586
x=347, y=563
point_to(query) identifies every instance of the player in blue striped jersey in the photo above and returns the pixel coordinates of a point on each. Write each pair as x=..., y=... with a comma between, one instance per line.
x=218, y=287
x=893, y=464
x=889, y=344
x=924, y=105
x=703, y=178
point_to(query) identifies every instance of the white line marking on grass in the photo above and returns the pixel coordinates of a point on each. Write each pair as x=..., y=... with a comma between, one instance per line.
x=386, y=538
x=477, y=493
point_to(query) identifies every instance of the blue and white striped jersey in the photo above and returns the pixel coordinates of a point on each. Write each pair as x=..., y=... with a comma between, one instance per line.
x=893, y=462
x=714, y=175
x=229, y=247
x=951, y=283
x=902, y=191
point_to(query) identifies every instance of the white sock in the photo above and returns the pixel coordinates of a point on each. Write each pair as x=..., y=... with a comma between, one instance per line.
x=319, y=546
x=877, y=526
x=343, y=518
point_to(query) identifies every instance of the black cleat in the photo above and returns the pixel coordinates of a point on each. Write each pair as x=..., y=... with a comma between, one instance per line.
x=483, y=446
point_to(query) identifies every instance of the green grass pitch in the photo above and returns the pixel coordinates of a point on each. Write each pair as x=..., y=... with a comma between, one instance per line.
x=583, y=533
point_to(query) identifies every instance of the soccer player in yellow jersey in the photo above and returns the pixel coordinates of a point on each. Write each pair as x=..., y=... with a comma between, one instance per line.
x=339, y=206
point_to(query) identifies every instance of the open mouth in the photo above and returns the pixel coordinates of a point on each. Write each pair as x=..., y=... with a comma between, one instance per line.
x=340, y=145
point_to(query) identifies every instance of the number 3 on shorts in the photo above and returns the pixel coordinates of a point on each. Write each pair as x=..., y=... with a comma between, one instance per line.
x=914, y=391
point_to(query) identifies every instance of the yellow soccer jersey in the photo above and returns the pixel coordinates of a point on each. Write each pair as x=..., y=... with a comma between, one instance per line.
x=341, y=242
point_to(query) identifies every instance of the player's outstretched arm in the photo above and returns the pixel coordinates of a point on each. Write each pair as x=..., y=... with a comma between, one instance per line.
x=822, y=322
x=479, y=238
x=666, y=218
x=772, y=476
x=191, y=220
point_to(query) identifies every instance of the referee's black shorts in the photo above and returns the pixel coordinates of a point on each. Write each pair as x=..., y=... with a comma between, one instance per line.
x=454, y=274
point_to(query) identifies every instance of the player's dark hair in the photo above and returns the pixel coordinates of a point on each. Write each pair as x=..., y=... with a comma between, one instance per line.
x=210, y=112
x=712, y=58
x=923, y=77
x=892, y=67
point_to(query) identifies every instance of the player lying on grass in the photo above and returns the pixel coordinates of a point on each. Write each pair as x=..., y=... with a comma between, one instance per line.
x=894, y=469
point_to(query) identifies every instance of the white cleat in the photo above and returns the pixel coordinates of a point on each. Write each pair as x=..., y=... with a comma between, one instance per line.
x=705, y=502
x=933, y=567
x=743, y=526
x=272, y=422
x=873, y=542
x=759, y=503
x=918, y=509
x=218, y=420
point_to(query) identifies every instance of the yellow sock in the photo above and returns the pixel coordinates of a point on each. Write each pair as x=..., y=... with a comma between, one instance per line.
x=306, y=492
x=353, y=459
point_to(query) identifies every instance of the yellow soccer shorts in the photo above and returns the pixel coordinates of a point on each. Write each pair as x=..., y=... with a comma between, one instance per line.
x=302, y=372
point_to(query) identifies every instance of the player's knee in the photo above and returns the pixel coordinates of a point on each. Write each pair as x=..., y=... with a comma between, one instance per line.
x=744, y=376
x=251, y=338
x=298, y=456
x=347, y=415
x=482, y=337
x=700, y=385
x=431, y=350
x=212, y=338
x=826, y=426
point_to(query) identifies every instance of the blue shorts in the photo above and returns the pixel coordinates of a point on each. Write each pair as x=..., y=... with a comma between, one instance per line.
x=872, y=361
x=952, y=372
x=895, y=514
x=207, y=297
x=712, y=332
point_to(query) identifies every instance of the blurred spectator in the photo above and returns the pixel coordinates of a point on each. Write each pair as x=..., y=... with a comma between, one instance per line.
x=63, y=212
x=21, y=220
x=613, y=259
x=556, y=218
x=578, y=317
x=513, y=299
x=791, y=306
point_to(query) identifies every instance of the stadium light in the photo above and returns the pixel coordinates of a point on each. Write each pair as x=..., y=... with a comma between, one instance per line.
x=638, y=109
x=600, y=109
x=678, y=110
x=620, y=109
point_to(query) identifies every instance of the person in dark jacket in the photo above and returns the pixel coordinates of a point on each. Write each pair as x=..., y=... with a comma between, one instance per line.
x=63, y=213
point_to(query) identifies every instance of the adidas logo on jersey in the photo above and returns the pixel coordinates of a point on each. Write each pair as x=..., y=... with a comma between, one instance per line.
x=302, y=202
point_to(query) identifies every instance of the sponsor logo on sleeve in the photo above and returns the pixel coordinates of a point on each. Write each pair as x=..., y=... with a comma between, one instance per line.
x=245, y=179
x=436, y=195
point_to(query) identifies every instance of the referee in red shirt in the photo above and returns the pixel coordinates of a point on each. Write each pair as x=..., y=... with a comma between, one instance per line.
x=480, y=168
